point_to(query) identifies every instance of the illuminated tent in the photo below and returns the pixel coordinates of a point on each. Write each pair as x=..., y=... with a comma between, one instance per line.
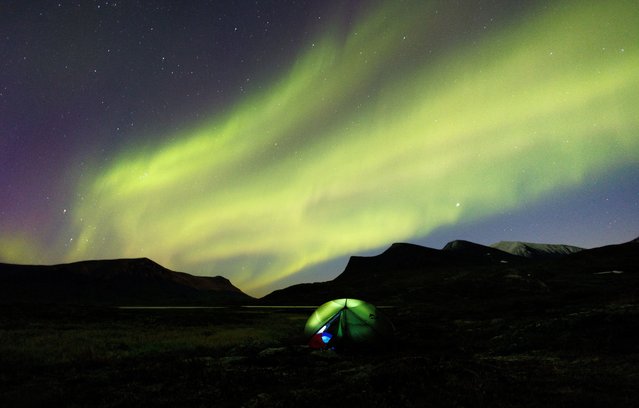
x=344, y=322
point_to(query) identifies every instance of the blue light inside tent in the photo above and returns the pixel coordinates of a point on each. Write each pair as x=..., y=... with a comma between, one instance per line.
x=326, y=337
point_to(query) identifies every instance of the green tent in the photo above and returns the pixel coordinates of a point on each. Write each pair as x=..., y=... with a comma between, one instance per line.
x=344, y=322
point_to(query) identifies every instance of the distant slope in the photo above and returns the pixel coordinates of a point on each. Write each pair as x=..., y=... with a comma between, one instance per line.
x=477, y=250
x=534, y=250
x=400, y=270
x=469, y=277
x=624, y=257
x=115, y=282
x=403, y=256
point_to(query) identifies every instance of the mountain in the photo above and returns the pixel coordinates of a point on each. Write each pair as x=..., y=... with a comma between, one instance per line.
x=403, y=256
x=622, y=257
x=113, y=282
x=534, y=250
x=399, y=274
x=474, y=277
x=461, y=274
x=477, y=250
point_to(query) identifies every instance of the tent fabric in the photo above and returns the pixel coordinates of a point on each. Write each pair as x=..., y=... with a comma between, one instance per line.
x=346, y=321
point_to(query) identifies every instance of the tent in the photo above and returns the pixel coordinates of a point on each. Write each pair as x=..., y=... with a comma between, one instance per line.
x=343, y=322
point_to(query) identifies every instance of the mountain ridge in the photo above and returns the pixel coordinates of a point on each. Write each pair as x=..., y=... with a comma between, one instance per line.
x=411, y=273
x=536, y=250
x=139, y=281
x=472, y=248
x=401, y=272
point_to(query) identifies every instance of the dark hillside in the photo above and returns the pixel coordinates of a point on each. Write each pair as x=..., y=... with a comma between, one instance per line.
x=535, y=250
x=462, y=276
x=120, y=281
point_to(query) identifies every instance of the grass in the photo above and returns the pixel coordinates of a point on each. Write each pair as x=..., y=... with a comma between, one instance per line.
x=104, y=357
x=117, y=334
x=69, y=355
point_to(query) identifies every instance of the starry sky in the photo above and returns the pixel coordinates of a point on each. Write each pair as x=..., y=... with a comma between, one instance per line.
x=267, y=141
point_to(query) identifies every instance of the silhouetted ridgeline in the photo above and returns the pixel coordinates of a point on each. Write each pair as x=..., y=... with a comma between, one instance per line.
x=114, y=282
x=533, y=250
x=478, y=276
x=462, y=275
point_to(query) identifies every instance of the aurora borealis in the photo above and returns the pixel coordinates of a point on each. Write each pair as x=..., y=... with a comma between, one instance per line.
x=341, y=130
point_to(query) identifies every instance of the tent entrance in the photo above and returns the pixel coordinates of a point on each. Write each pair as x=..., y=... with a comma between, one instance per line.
x=327, y=335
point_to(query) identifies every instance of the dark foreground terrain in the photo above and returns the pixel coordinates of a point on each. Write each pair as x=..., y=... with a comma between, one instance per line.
x=255, y=357
x=474, y=327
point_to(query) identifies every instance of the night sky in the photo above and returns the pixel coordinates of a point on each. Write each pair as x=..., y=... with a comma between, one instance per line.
x=267, y=141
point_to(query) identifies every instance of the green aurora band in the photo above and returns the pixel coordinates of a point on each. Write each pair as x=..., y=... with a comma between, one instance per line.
x=368, y=140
